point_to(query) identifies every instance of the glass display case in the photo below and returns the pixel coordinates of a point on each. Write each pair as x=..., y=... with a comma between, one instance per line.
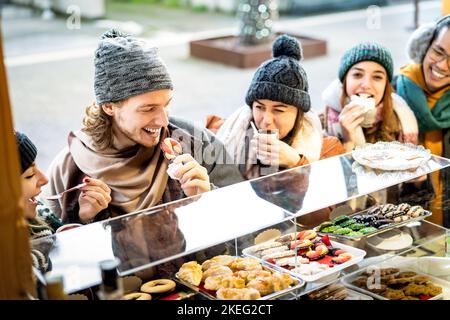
x=154, y=243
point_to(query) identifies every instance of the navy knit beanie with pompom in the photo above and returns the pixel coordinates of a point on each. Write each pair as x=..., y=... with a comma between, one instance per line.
x=282, y=78
x=27, y=151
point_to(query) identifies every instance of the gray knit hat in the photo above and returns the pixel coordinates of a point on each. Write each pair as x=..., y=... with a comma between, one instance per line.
x=125, y=66
x=282, y=78
x=367, y=51
x=27, y=151
x=420, y=40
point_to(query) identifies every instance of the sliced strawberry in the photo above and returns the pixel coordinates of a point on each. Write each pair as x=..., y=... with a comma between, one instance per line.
x=326, y=240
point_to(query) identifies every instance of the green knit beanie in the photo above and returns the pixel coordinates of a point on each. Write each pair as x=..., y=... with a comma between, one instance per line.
x=367, y=51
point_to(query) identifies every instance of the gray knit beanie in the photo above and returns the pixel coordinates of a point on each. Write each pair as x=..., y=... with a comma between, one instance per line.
x=282, y=78
x=420, y=40
x=125, y=66
x=27, y=151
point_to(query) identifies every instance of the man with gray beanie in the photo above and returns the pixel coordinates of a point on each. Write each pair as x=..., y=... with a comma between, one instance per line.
x=119, y=143
x=425, y=85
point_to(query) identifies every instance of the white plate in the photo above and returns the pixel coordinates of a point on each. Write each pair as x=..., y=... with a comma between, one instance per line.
x=391, y=240
x=391, y=156
x=357, y=254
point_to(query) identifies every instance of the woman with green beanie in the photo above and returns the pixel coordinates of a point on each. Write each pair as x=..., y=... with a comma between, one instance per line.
x=361, y=105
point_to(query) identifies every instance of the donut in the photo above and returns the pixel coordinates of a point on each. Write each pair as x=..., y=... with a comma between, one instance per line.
x=158, y=286
x=137, y=296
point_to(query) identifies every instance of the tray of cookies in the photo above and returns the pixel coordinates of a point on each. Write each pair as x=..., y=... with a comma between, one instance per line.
x=372, y=221
x=306, y=255
x=391, y=283
x=226, y=277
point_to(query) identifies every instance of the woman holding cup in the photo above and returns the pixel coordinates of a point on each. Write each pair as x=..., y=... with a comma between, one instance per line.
x=285, y=133
x=361, y=105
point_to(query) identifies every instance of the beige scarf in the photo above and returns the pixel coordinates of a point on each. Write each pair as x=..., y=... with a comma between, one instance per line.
x=136, y=174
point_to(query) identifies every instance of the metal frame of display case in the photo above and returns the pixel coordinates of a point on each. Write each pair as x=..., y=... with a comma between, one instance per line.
x=229, y=215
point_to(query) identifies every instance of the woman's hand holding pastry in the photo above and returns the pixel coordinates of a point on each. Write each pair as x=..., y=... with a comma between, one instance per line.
x=94, y=197
x=350, y=118
x=193, y=177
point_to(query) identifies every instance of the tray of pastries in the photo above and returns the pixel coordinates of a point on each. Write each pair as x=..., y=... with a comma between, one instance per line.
x=391, y=283
x=372, y=221
x=306, y=255
x=391, y=156
x=335, y=291
x=227, y=277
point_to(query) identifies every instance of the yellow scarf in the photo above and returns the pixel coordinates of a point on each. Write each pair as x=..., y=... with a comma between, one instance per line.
x=432, y=139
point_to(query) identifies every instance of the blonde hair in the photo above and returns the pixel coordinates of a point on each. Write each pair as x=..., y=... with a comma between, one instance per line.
x=98, y=125
x=37, y=225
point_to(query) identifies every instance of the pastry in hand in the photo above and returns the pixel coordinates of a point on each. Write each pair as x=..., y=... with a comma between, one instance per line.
x=191, y=272
x=237, y=294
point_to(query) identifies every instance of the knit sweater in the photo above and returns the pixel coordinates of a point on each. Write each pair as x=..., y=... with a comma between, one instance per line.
x=41, y=228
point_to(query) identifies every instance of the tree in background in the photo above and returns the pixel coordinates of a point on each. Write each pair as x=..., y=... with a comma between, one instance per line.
x=256, y=20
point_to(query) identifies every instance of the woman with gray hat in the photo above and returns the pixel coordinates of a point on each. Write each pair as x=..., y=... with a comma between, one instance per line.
x=361, y=105
x=277, y=100
x=425, y=85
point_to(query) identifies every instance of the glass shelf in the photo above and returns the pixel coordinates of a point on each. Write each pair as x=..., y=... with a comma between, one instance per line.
x=145, y=239
x=330, y=181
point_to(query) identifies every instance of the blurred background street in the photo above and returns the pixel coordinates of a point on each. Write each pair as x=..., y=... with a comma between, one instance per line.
x=50, y=63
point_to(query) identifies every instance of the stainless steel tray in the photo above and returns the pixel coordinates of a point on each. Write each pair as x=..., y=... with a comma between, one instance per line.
x=208, y=295
x=370, y=234
x=347, y=281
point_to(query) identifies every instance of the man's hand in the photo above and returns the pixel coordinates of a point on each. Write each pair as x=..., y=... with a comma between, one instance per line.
x=94, y=197
x=193, y=177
